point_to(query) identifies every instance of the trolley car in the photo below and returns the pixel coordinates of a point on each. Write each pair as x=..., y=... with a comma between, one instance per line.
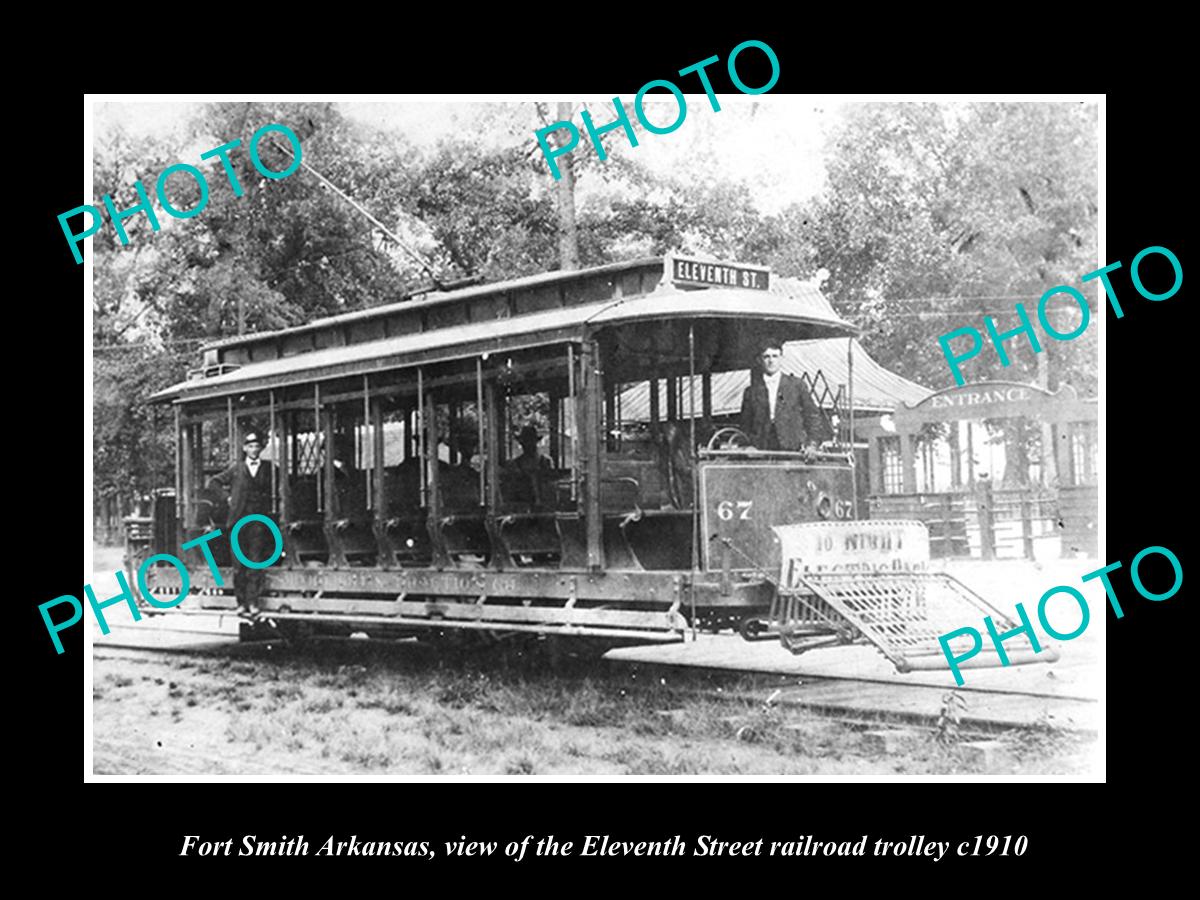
x=405, y=508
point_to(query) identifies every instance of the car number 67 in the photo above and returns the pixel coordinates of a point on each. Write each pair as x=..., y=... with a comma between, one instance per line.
x=728, y=509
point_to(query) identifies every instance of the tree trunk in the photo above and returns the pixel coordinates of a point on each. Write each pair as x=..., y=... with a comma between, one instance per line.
x=568, y=237
x=1049, y=468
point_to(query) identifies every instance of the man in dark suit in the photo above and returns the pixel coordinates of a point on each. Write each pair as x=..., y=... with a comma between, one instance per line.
x=778, y=413
x=249, y=482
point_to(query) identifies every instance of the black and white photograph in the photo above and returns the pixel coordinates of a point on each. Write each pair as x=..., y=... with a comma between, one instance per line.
x=511, y=438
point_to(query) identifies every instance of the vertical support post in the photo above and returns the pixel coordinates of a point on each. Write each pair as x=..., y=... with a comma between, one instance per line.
x=501, y=558
x=610, y=417
x=362, y=444
x=333, y=510
x=180, y=501
x=479, y=428
x=431, y=463
x=189, y=475
x=156, y=467
x=655, y=413
x=232, y=431
x=589, y=420
x=504, y=435
x=955, y=458
x=435, y=498
x=387, y=556
x=574, y=400
x=1049, y=471
x=695, y=468
x=907, y=462
x=377, y=453
x=274, y=458
x=555, y=432
x=421, y=433
x=986, y=511
x=970, y=454
x=286, y=456
x=1027, y=523
x=330, y=470
x=850, y=416
x=706, y=396
x=875, y=464
x=316, y=433
x=492, y=459
x=616, y=426
x=198, y=455
x=329, y=426
x=672, y=400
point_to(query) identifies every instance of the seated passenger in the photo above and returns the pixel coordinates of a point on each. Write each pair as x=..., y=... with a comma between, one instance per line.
x=527, y=477
x=460, y=483
x=675, y=463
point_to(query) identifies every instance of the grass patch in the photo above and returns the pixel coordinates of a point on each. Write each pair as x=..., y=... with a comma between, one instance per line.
x=407, y=710
x=322, y=705
x=522, y=764
x=391, y=702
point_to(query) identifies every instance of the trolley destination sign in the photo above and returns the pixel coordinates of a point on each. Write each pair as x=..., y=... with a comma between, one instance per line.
x=689, y=272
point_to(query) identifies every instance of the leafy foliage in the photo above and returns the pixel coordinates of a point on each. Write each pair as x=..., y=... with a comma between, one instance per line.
x=985, y=204
x=980, y=203
x=133, y=451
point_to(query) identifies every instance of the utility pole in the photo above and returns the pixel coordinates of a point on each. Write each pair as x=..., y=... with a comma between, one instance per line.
x=568, y=235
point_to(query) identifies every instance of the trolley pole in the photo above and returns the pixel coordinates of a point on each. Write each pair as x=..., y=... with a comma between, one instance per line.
x=695, y=469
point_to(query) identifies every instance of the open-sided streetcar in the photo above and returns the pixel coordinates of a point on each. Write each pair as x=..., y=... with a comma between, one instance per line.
x=405, y=507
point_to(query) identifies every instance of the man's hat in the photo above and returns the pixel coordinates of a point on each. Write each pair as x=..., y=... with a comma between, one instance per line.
x=252, y=436
x=528, y=433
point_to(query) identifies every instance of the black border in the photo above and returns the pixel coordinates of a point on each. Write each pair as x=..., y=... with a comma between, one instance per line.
x=1148, y=480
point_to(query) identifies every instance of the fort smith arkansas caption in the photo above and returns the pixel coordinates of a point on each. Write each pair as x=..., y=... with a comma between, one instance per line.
x=297, y=846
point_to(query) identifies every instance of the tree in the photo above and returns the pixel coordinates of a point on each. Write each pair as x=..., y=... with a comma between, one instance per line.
x=132, y=451
x=934, y=216
x=482, y=213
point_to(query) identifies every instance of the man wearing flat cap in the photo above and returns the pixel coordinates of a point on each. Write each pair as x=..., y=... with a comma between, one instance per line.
x=249, y=483
x=778, y=413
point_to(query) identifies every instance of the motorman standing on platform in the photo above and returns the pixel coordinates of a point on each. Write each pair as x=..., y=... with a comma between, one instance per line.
x=249, y=482
x=777, y=411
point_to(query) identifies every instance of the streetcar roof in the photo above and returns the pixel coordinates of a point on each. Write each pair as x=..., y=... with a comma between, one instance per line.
x=789, y=302
x=436, y=299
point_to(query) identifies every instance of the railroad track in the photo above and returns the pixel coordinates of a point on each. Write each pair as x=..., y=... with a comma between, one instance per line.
x=860, y=703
